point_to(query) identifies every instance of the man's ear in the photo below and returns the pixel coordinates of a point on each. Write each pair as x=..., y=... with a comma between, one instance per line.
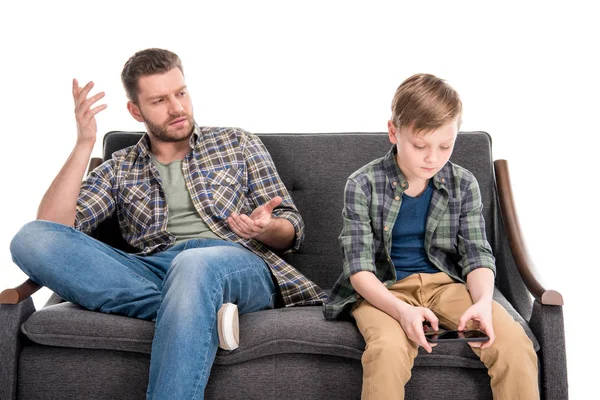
x=392, y=132
x=134, y=110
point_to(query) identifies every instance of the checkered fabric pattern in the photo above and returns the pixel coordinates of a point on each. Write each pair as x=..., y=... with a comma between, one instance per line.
x=227, y=170
x=455, y=238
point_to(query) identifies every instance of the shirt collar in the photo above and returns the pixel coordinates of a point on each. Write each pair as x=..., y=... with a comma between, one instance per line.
x=143, y=146
x=397, y=178
x=392, y=170
x=441, y=179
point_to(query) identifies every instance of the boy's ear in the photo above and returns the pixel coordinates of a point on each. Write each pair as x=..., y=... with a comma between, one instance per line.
x=134, y=110
x=392, y=132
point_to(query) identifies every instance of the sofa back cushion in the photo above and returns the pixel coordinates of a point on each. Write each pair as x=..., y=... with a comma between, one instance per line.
x=314, y=167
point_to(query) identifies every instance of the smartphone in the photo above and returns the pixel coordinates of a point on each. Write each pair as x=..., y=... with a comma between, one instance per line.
x=473, y=335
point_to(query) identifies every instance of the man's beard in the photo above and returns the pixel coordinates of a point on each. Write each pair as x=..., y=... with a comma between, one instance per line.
x=161, y=132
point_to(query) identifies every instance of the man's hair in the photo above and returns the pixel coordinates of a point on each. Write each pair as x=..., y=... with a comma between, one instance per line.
x=425, y=103
x=147, y=62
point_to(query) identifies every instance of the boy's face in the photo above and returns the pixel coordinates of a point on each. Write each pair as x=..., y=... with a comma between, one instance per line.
x=421, y=155
x=165, y=106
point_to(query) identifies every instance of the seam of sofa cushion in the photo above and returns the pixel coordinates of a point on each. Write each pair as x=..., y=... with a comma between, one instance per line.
x=32, y=335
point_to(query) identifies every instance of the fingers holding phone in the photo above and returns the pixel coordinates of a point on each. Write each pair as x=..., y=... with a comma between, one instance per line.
x=481, y=315
x=412, y=319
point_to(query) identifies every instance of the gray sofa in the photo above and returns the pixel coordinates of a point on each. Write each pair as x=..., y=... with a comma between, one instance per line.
x=62, y=351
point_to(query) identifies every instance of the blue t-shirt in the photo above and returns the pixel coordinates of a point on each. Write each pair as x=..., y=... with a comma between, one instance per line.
x=408, y=236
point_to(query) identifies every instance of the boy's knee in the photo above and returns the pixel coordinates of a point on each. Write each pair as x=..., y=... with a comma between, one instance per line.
x=393, y=347
x=515, y=345
x=388, y=357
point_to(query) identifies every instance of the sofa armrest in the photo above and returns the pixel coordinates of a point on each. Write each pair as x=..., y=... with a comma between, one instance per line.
x=547, y=324
x=20, y=293
x=515, y=238
x=11, y=319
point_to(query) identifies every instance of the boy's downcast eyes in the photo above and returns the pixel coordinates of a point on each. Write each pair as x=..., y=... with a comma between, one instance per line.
x=423, y=147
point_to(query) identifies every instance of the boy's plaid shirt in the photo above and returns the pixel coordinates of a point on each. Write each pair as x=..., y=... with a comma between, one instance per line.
x=228, y=170
x=455, y=238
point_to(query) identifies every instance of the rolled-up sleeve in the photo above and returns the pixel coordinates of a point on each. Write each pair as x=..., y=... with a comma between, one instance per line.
x=95, y=202
x=264, y=184
x=473, y=247
x=356, y=237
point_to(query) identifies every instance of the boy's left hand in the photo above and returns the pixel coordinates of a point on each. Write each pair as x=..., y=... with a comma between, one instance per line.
x=481, y=315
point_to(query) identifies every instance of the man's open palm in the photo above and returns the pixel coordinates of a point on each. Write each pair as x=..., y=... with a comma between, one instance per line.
x=257, y=223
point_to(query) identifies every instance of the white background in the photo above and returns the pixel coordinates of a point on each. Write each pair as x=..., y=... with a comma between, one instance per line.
x=526, y=72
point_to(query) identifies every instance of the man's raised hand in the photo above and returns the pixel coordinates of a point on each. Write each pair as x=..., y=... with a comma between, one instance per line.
x=85, y=115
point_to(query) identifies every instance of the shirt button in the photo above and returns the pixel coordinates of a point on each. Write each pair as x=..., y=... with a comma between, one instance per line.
x=387, y=228
x=443, y=179
x=228, y=180
x=397, y=198
x=394, y=183
x=403, y=184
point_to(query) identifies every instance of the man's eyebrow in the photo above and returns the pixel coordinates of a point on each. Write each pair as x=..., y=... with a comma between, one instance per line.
x=160, y=96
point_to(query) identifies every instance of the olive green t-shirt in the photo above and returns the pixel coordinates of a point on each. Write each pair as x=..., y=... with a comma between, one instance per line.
x=184, y=222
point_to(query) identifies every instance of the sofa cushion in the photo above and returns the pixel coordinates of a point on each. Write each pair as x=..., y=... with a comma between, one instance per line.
x=69, y=325
x=263, y=333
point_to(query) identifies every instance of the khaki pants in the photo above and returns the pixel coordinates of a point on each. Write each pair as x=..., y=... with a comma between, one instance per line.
x=389, y=355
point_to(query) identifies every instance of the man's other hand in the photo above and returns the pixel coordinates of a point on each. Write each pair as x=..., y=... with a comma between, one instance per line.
x=257, y=223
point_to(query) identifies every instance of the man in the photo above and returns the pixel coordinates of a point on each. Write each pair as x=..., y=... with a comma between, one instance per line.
x=204, y=207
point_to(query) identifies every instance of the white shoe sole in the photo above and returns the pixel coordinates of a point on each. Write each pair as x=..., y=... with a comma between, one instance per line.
x=228, y=327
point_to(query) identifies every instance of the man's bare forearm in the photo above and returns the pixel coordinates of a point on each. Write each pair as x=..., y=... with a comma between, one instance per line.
x=60, y=200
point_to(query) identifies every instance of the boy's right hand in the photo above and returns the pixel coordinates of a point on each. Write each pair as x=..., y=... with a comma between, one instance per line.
x=412, y=318
x=84, y=114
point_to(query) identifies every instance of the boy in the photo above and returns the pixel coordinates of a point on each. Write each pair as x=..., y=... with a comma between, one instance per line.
x=415, y=251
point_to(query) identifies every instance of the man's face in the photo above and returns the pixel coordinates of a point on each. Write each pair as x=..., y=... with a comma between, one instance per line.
x=165, y=106
x=421, y=155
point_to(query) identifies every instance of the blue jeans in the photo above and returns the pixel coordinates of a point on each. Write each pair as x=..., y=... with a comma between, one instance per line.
x=182, y=288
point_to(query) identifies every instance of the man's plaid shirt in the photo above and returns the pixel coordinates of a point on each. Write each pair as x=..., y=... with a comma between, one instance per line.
x=455, y=239
x=228, y=170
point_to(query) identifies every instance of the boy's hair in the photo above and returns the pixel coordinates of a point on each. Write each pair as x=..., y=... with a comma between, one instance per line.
x=426, y=103
x=147, y=62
